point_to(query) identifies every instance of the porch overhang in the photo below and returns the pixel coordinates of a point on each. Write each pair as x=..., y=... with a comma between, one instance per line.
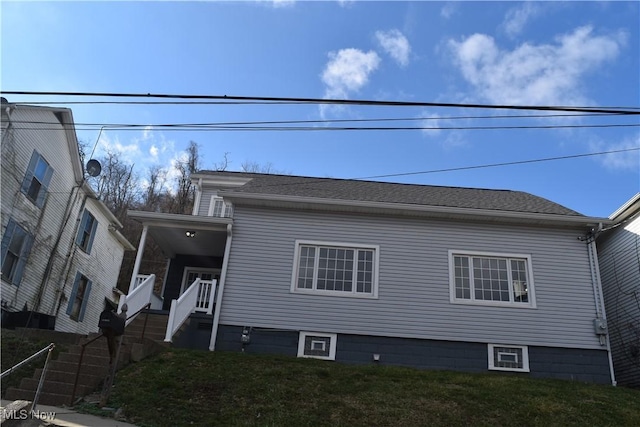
x=185, y=234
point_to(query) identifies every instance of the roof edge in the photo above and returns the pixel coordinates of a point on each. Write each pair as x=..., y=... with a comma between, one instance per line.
x=628, y=209
x=578, y=220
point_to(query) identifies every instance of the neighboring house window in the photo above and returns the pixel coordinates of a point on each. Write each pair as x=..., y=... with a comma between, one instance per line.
x=336, y=269
x=36, y=179
x=491, y=279
x=219, y=208
x=16, y=246
x=508, y=357
x=79, y=297
x=317, y=345
x=87, y=231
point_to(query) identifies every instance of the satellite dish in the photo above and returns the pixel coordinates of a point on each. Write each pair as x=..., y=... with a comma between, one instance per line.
x=94, y=167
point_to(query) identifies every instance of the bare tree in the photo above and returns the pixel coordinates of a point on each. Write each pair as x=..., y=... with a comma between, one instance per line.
x=255, y=167
x=117, y=186
x=185, y=190
x=156, y=189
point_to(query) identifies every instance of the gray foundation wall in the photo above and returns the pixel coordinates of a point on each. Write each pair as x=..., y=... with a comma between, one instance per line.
x=545, y=362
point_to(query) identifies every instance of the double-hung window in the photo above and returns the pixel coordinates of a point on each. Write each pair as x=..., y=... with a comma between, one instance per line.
x=16, y=246
x=219, y=208
x=36, y=179
x=87, y=231
x=79, y=298
x=336, y=269
x=491, y=279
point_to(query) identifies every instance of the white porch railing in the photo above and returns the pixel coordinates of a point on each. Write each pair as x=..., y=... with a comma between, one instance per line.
x=138, y=297
x=139, y=279
x=198, y=297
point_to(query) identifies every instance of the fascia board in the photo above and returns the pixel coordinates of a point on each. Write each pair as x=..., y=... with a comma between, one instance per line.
x=628, y=209
x=421, y=210
x=220, y=181
x=171, y=220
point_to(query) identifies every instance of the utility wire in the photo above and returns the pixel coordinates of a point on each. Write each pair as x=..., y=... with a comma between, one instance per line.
x=493, y=165
x=324, y=128
x=273, y=122
x=321, y=101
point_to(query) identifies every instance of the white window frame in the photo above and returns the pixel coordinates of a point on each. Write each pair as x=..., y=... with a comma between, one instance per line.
x=473, y=301
x=227, y=208
x=332, y=344
x=336, y=245
x=525, y=358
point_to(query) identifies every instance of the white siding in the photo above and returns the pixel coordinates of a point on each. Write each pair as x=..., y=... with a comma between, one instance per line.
x=38, y=128
x=619, y=257
x=413, y=280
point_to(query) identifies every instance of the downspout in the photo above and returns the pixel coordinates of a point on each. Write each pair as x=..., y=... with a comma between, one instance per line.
x=223, y=278
x=601, y=320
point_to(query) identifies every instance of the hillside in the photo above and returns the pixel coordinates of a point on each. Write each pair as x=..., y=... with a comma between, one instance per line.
x=182, y=387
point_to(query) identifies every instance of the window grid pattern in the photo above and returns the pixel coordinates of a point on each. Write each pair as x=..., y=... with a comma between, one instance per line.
x=326, y=268
x=496, y=279
x=220, y=209
x=508, y=358
x=87, y=232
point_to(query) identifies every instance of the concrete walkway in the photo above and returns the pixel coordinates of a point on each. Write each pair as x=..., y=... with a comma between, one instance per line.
x=62, y=417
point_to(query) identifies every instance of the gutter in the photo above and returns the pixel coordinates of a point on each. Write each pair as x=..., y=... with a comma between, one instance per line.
x=417, y=210
x=223, y=278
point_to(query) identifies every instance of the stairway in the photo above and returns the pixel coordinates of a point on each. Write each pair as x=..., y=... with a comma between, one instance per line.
x=61, y=373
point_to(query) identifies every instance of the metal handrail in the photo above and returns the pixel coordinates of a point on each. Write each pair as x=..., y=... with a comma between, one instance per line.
x=27, y=360
x=144, y=327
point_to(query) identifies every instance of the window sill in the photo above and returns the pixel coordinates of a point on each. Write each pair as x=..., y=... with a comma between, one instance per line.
x=333, y=294
x=530, y=305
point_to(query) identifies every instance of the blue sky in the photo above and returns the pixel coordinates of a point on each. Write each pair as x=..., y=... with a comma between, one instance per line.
x=516, y=53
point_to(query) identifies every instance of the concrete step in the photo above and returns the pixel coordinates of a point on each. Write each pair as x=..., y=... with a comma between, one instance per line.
x=53, y=399
x=71, y=368
x=85, y=378
x=49, y=386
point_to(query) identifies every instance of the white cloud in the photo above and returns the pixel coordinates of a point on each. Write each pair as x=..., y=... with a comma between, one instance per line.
x=517, y=17
x=534, y=74
x=154, y=151
x=396, y=45
x=626, y=161
x=346, y=3
x=449, y=9
x=347, y=71
x=283, y=3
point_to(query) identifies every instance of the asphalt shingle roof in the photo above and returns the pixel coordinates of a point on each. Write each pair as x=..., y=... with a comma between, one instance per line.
x=375, y=191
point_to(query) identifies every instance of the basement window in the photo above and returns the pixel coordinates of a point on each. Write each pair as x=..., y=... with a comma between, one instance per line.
x=508, y=358
x=317, y=345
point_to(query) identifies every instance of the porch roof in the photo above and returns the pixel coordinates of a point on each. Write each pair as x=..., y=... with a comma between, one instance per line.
x=169, y=231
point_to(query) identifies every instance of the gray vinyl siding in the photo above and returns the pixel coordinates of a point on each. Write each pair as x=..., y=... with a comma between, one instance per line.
x=205, y=201
x=413, y=291
x=619, y=257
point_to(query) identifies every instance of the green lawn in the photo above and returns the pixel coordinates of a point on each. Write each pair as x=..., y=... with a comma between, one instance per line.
x=186, y=388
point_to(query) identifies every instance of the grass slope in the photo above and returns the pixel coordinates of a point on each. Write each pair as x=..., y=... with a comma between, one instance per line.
x=16, y=348
x=183, y=387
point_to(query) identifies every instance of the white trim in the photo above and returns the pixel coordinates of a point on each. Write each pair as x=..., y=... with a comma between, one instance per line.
x=428, y=210
x=198, y=197
x=332, y=344
x=525, y=358
x=220, y=291
x=472, y=300
x=340, y=245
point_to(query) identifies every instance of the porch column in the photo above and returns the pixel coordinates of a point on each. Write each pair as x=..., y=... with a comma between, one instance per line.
x=136, y=266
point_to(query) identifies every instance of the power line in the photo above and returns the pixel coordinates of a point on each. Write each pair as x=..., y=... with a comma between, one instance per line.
x=322, y=121
x=492, y=165
x=321, y=101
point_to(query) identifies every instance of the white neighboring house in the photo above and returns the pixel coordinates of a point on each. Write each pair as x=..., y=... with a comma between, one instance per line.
x=61, y=247
x=619, y=259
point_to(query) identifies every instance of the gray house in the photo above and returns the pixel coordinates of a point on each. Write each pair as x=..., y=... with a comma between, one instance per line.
x=619, y=256
x=382, y=273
